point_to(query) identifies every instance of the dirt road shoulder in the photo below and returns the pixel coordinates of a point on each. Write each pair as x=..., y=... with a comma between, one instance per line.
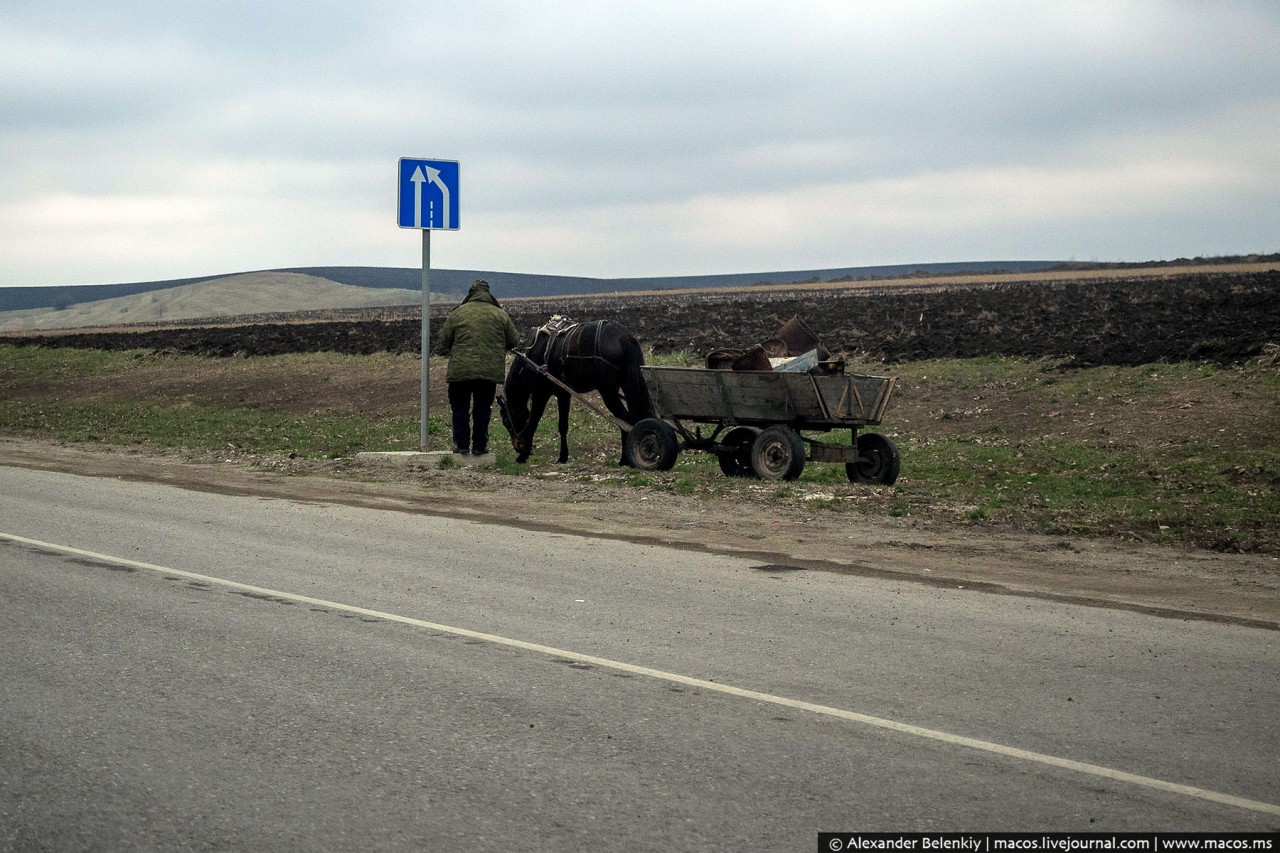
x=1237, y=588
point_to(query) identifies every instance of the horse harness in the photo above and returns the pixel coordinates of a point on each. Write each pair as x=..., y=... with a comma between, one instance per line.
x=564, y=336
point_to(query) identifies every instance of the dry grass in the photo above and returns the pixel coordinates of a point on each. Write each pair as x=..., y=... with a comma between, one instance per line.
x=1178, y=453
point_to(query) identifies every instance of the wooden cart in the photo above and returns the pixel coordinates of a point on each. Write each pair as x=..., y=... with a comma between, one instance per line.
x=756, y=418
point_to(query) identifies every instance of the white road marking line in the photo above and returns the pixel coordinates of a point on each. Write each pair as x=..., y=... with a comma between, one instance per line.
x=797, y=704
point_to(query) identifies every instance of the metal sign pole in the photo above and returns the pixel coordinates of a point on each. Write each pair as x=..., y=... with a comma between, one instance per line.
x=427, y=198
x=426, y=334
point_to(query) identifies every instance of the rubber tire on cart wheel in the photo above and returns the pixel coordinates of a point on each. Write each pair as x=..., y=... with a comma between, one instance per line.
x=737, y=462
x=651, y=445
x=878, y=460
x=777, y=454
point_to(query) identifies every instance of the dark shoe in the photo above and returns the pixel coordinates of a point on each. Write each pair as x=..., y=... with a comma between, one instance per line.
x=480, y=451
x=461, y=451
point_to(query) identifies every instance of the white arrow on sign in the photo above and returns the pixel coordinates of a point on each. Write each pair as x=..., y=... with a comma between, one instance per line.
x=432, y=176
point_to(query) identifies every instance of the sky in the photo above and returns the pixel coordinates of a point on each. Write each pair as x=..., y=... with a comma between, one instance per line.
x=145, y=140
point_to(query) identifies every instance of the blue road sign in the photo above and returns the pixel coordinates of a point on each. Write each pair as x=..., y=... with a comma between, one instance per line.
x=428, y=194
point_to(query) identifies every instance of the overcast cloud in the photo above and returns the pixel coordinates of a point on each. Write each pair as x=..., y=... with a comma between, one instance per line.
x=156, y=140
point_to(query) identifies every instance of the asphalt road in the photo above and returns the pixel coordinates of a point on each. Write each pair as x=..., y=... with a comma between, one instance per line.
x=183, y=670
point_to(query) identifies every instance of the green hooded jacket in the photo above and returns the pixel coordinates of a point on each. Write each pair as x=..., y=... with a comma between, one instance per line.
x=476, y=336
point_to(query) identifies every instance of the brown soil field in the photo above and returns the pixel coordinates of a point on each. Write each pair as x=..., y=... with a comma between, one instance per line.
x=1221, y=315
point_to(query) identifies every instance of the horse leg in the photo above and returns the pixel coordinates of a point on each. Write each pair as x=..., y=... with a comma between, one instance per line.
x=537, y=405
x=562, y=401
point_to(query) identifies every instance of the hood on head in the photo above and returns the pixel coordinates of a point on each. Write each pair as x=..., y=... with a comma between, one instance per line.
x=479, y=292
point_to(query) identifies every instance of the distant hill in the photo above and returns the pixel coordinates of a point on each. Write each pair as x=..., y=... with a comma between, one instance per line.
x=456, y=282
x=508, y=285
x=246, y=293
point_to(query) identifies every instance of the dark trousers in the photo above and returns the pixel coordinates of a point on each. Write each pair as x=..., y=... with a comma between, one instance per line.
x=472, y=403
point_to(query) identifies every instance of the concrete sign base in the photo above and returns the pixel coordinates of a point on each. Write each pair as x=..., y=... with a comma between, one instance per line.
x=420, y=459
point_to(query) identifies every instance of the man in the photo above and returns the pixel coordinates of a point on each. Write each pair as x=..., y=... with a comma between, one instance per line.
x=476, y=336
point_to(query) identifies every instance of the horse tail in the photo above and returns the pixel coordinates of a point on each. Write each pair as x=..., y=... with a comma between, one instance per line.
x=639, y=404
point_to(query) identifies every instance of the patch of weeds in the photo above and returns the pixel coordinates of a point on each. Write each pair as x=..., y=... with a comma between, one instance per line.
x=202, y=427
x=824, y=474
x=509, y=466
x=685, y=486
x=36, y=363
x=677, y=358
x=977, y=513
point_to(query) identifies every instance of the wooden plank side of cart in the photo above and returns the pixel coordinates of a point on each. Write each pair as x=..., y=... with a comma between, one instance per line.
x=767, y=397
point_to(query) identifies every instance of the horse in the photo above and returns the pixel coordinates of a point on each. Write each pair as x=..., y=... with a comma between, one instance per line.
x=599, y=356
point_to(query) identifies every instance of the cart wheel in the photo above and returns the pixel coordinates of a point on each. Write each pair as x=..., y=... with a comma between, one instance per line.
x=737, y=462
x=651, y=445
x=777, y=454
x=878, y=460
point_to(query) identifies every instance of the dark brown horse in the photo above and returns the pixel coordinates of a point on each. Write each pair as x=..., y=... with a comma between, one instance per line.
x=598, y=356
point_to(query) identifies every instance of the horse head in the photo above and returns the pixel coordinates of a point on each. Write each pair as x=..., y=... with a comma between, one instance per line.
x=504, y=411
x=513, y=407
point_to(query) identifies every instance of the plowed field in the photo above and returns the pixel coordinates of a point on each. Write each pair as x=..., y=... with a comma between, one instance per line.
x=1222, y=318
